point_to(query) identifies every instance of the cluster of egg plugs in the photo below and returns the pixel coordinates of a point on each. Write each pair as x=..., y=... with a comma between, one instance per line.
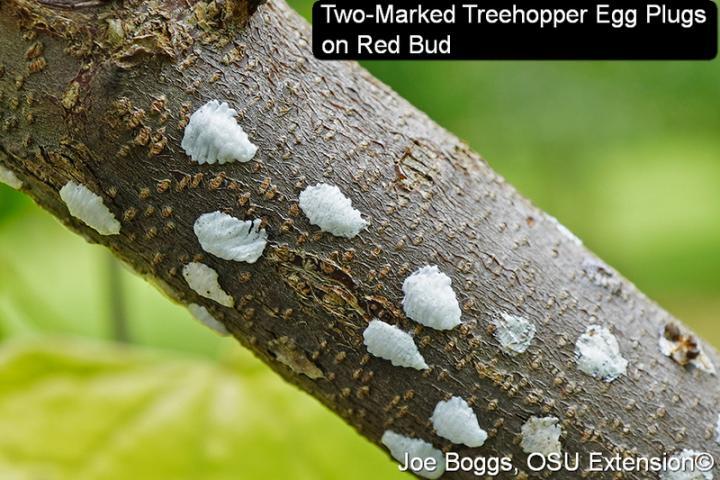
x=212, y=135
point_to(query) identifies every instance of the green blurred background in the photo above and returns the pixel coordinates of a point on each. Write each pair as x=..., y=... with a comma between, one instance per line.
x=627, y=155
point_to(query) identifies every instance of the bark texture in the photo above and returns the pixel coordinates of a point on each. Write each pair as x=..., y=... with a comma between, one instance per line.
x=99, y=93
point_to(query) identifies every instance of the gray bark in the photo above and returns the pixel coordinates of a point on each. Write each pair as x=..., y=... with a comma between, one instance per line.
x=100, y=94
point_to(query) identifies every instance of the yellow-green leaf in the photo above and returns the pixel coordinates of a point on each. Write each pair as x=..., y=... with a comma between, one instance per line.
x=74, y=411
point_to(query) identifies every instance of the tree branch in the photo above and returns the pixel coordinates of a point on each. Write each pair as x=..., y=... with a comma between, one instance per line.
x=102, y=98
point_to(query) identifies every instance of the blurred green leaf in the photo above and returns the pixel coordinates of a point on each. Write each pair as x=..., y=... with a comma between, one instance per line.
x=12, y=203
x=78, y=411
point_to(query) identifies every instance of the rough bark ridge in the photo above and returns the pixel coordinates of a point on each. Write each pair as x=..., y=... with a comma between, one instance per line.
x=100, y=94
